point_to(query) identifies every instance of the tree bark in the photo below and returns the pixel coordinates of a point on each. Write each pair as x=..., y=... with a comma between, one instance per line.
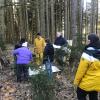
x=2, y=24
x=65, y=18
x=52, y=21
x=42, y=17
x=93, y=18
x=74, y=22
x=47, y=19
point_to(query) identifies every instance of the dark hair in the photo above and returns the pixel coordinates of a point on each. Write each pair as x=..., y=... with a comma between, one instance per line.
x=93, y=38
x=22, y=40
x=39, y=33
x=94, y=41
x=47, y=40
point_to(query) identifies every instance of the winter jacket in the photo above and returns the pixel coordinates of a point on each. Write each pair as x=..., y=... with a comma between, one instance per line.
x=48, y=52
x=88, y=73
x=60, y=41
x=39, y=45
x=24, y=55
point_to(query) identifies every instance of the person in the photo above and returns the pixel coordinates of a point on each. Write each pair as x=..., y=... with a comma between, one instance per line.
x=24, y=57
x=19, y=44
x=39, y=45
x=88, y=72
x=48, y=51
x=48, y=57
x=60, y=41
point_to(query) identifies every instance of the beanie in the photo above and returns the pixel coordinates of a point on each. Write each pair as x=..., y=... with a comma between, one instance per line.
x=93, y=38
x=39, y=33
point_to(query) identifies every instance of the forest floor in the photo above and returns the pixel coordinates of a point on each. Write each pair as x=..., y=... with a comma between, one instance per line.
x=12, y=90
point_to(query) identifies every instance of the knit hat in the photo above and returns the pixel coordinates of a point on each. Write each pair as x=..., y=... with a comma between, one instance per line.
x=93, y=37
x=39, y=33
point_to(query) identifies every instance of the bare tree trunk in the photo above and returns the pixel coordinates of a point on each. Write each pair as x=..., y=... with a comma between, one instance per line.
x=42, y=17
x=47, y=19
x=38, y=15
x=93, y=19
x=23, y=19
x=65, y=18
x=52, y=21
x=80, y=15
x=69, y=34
x=2, y=24
x=73, y=21
x=79, y=21
x=96, y=16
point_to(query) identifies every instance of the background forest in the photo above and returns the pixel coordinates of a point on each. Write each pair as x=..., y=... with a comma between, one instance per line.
x=24, y=18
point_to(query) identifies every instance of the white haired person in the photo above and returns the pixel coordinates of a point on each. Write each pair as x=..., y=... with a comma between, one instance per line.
x=60, y=41
x=88, y=72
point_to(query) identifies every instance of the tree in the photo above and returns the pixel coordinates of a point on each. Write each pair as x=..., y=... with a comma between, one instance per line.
x=2, y=24
x=74, y=21
x=65, y=18
x=52, y=20
x=47, y=19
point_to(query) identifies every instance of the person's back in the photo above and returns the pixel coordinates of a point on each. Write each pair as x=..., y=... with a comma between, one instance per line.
x=24, y=55
x=88, y=72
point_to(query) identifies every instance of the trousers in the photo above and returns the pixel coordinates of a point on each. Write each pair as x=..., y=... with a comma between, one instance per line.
x=82, y=94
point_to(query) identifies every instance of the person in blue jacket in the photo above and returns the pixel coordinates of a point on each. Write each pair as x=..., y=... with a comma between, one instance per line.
x=60, y=41
x=24, y=57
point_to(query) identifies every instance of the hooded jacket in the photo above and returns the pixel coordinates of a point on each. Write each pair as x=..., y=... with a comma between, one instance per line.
x=88, y=73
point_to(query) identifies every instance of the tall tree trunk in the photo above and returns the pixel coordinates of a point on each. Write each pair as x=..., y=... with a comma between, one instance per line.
x=38, y=15
x=2, y=24
x=69, y=34
x=42, y=17
x=52, y=20
x=65, y=18
x=23, y=19
x=96, y=16
x=79, y=20
x=93, y=18
x=73, y=21
x=47, y=19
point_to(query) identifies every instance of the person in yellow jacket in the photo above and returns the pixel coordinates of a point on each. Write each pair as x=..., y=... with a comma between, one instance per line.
x=39, y=45
x=87, y=77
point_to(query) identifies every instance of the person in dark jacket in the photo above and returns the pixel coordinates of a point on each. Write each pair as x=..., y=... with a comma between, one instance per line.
x=60, y=41
x=48, y=51
x=48, y=57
